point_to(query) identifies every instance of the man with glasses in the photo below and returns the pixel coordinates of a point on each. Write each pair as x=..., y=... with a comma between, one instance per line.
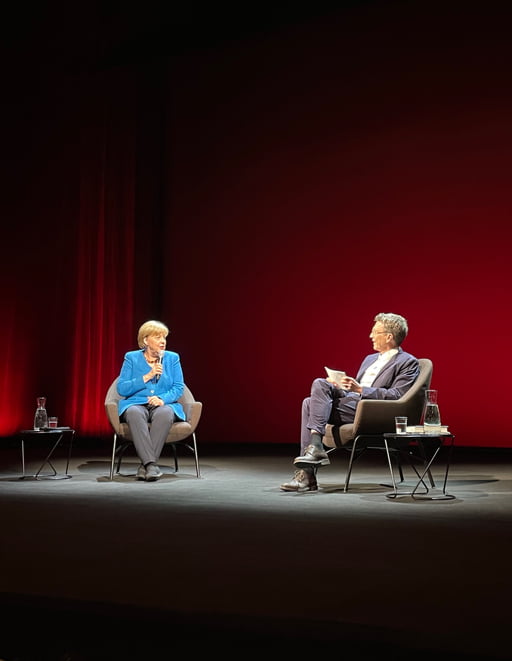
x=386, y=374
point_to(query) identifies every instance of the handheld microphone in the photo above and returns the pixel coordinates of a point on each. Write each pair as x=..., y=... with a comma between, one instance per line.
x=160, y=360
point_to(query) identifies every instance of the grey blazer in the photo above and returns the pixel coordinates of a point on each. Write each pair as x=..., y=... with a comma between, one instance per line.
x=395, y=378
x=393, y=381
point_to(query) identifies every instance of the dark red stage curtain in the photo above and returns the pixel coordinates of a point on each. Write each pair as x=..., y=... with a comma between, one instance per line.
x=105, y=256
x=70, y=299
x=264, y=197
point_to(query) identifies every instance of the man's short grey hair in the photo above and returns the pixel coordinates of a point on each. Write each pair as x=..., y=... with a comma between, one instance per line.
x=395, y=324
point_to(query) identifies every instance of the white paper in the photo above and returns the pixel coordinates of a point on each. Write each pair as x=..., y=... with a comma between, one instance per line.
x=335, y=375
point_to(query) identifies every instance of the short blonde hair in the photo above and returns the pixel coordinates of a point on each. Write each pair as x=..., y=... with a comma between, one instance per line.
x=151, y=328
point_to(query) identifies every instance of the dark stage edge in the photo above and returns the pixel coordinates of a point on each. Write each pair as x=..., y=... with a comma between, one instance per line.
x=42, y=629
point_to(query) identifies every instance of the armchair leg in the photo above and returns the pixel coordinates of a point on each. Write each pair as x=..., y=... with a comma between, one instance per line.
x=193, y=448
x=120, y=451
x=113, y=457
x=196, y=458
x=390, y=464
x=350, y=464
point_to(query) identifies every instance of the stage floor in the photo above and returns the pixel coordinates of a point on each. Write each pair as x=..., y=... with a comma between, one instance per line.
x=229, y=559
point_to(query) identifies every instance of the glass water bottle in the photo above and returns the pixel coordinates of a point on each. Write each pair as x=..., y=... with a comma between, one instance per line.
x=431, y=416
x=41, y=417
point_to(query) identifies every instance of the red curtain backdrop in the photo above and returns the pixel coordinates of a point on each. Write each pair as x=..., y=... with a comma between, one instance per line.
x=105, y=259
x=265, y=197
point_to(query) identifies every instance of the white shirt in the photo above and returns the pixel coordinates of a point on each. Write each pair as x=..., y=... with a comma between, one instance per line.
x=375, y=368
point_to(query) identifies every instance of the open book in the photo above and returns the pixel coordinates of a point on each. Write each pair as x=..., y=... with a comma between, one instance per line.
x=335, y=375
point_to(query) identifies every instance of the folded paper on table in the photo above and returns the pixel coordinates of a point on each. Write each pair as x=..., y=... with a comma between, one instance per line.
x=428, y=429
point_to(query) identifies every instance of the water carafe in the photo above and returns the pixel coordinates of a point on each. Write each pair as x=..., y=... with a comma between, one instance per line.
x=431, y=416
x=41, y=417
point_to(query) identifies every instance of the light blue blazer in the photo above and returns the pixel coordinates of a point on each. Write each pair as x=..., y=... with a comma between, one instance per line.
x=169, y=387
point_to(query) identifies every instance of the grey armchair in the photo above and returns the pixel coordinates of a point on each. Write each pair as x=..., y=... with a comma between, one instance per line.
x=180, y=432
x=375, y=417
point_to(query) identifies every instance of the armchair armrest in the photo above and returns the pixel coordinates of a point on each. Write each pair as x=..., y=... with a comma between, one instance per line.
x=113, y=415
x=377, y=416
x=193, y=412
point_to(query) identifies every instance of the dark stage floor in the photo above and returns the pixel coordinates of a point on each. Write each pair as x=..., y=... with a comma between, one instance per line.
x=229, y=564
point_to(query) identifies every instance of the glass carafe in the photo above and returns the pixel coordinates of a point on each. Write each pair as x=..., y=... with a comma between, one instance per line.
x=41, y=417
x=431, y=416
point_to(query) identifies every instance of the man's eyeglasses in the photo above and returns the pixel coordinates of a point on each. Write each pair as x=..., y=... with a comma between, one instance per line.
x=379, y=332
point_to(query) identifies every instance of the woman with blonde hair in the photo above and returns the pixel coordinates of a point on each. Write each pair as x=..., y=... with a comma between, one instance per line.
x=150, y=384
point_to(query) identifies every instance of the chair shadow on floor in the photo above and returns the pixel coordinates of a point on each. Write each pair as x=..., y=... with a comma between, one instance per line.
x=376, y=488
